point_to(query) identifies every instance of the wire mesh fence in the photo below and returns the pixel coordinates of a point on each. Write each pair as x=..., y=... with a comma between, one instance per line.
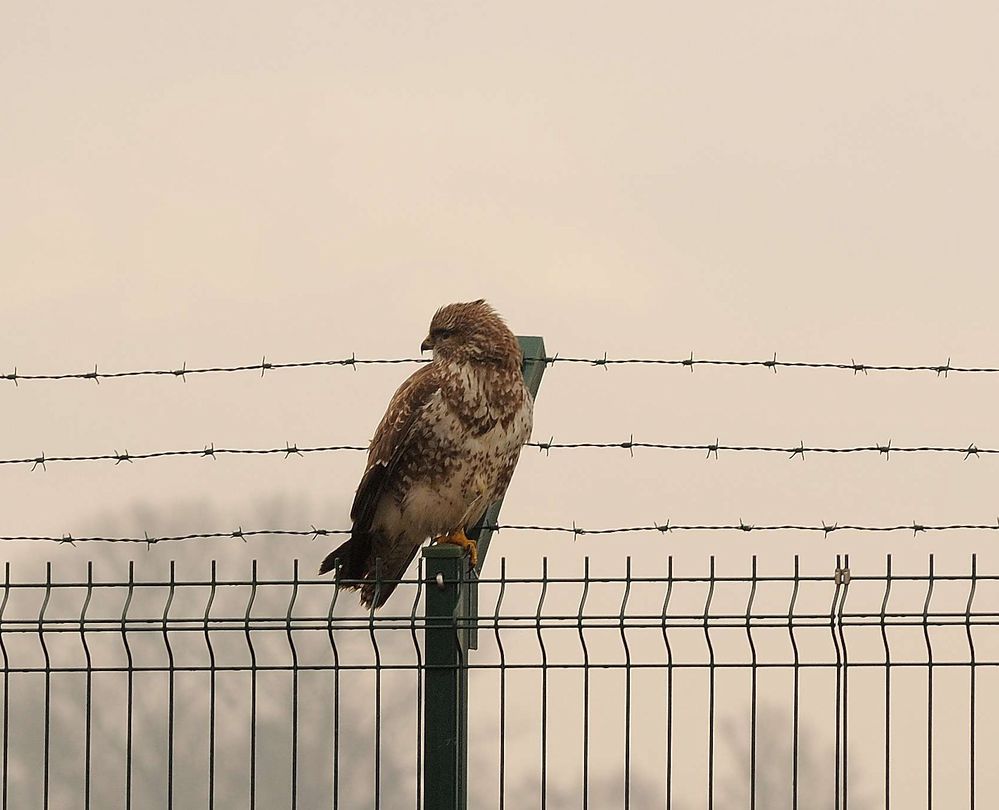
x=635, y=688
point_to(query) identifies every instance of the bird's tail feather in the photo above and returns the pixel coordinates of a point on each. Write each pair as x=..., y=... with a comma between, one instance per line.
x=383, y=582
x=351, y=555
x=356, y=562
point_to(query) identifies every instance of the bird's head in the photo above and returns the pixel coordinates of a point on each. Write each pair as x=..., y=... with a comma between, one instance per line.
x=471, y=332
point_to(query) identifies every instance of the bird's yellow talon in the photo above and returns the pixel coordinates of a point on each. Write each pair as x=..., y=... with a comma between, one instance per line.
x=460, y=539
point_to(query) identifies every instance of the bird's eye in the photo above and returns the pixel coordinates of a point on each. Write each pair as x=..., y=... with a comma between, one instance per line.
x=442, y=333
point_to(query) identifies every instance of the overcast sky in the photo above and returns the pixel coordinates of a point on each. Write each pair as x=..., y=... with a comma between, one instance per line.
x=212, y=183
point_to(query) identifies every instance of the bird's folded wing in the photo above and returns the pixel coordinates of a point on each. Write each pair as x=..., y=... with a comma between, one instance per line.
x=405, y=411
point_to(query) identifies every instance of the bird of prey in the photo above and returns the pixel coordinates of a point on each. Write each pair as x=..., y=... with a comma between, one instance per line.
x=445, y=450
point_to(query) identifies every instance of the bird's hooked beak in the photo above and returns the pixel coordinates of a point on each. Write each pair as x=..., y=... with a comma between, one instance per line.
x=427, y=345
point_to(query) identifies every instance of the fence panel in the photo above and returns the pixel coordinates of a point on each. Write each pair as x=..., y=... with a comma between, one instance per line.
x=664, y=688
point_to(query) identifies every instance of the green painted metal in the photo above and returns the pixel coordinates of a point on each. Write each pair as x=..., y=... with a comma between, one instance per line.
x=451, y=607
x=445, y=708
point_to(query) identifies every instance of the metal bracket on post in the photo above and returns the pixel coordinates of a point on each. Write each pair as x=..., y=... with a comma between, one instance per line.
x=451, y=612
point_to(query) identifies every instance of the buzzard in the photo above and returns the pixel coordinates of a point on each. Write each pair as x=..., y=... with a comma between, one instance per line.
x=444, y=451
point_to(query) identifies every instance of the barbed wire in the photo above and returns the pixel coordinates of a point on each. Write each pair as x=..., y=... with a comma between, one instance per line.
x=771, y=363
x=209, y=451
x=792, y=451
x=183, y=371
x=576, y=531
x=710, y=448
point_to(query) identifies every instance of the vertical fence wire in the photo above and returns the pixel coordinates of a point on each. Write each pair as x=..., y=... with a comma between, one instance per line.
x=544, y=684
x=753, y=691
x=418, y=657
x=171, y=683
x=294, y=687
x=129, y=685
x=627, y=685
x=887, y=648
x=845, y=715
x=89, y=687
x=929, y=689
x=502, y=685
x=253, y=686
x=336, y=688
x=586, y=682
x=838, y=716
x=795, y=684
x=47, y=715
x=212, y=685
x=972, y=677
x=378, y=684
x=711, y=686
x=377, y=756
x=669, y=684
x=5, y=755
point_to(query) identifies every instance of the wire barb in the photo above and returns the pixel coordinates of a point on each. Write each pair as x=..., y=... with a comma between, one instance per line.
x=630, y=445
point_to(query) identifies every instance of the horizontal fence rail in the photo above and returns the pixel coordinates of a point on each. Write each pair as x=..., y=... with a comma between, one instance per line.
x=651, y=687
x=774, y=364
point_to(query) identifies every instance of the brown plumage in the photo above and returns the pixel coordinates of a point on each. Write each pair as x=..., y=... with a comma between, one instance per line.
x=444, y=451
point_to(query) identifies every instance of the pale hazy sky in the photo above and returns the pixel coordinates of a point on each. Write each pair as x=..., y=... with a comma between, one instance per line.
x=211, y=183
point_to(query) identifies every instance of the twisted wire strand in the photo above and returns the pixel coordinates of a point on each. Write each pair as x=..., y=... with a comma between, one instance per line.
x=711, y=449
x=772, y=363
x=577, y=531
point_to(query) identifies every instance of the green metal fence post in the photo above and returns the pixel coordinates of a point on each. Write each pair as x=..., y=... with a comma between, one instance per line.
x=445, y=723
x=451, y=609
